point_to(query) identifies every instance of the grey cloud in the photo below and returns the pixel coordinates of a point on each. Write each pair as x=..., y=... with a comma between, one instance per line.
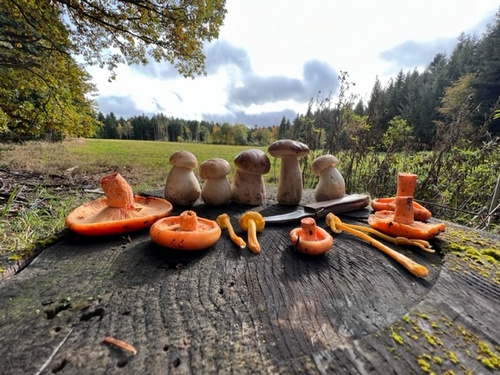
x=411, y=54
x=260, y=119
x=222, y=53
x=121, y=106
x=218, y=54
x=317, y=76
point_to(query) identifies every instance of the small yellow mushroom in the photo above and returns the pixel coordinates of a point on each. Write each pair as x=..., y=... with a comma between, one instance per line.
x=225, y=223
x=252, y=222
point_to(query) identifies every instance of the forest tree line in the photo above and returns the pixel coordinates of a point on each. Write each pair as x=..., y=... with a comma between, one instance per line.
x=450, y=102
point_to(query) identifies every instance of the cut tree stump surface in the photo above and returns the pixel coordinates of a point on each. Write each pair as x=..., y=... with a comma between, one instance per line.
x=225, y=310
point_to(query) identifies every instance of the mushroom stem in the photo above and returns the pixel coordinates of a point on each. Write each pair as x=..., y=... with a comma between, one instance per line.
x=118, y=192
x=308, y=226
x=188, y=221
x=406, y=184
x=415, y=269
x=225, y=223
x=253, y=244
x=403, y=211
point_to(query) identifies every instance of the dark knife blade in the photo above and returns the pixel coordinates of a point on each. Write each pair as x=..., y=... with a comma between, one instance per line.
x=350, y=202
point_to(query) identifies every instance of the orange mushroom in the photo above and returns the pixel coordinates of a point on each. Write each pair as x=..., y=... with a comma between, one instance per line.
x=120, y=211
x=185, y=232
x=311, y=239
x=337, y=226
x=405, y=187
x=401, y=223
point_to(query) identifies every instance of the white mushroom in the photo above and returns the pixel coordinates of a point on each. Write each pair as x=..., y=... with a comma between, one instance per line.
x=331, y=184
x=290, y=181
x=216, y=190
x=247, y=186
x=182, y=187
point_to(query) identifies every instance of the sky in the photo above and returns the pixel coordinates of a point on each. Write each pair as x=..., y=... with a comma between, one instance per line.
x=273, y=57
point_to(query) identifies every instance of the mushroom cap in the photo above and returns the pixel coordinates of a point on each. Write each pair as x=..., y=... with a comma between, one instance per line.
x=315, y=243
x=96, y=218
x=214, y=168
x=167, y=232
x=420, y=213
x=384, y=222
x=322, y=162
x=253, y=161
x=183, y=159
x=251, y=215
x=285, y=147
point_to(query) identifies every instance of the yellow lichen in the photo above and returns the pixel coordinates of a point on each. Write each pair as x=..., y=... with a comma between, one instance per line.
x=396, y=337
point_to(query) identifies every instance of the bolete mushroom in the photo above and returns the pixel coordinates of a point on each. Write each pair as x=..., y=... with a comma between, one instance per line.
x=185, y=232
x=290, y=180
x=406, y=183
x=182, y=187
x=120, y=211
x=252, y=222
x=216, y=190
x=311, y=239
x=331, y=184
x=247, y=185
x=225, y=223
x=401, y=223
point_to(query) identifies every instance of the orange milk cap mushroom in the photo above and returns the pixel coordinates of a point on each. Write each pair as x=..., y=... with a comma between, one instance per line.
x=401, y=223
x=311, y=239
x=185, y=232
x=120, y=211
x=406, y=183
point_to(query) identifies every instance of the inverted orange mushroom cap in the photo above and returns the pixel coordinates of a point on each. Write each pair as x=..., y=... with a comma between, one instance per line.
x=185, y=232
x=311, y=239
x=401, y=223
x=119, y=212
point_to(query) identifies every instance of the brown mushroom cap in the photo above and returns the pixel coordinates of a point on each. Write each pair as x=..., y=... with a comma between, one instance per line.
x=183, y=159
x=322, y=162
x=285, y=147
x=253, y=161
x=214, y=168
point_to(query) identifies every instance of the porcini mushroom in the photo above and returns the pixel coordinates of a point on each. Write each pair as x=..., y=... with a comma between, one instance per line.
x=182, y=186
x=337, y=226
x=120, y=211
x=216, y=190
x=290, y=180
x=252, y=222
x=185, y=232
x=406, y=183
x=331, y=184
x=225, y=223
x=401, y=223
x=247, y=185
x=311, y=239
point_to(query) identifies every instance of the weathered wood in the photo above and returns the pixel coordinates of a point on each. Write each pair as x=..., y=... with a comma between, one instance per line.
x=226, y=310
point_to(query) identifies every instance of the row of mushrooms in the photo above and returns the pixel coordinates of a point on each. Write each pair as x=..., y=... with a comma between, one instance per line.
x=247, y=186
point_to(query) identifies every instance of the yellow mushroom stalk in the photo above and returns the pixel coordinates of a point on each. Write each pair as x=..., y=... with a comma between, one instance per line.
x=337, y=226
x=225, y=223
x=252, y=222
